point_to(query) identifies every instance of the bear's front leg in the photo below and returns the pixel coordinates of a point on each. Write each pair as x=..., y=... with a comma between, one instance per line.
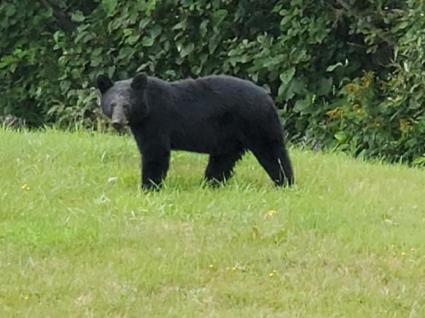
x=155, y=163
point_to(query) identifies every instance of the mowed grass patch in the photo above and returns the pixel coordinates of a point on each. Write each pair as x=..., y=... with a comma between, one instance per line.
x=79, y=238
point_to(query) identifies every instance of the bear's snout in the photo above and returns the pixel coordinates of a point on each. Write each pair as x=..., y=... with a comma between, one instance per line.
x=119, y=118
x=117, y=125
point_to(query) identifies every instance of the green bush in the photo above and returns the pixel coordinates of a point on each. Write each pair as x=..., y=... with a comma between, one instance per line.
x=346, y=74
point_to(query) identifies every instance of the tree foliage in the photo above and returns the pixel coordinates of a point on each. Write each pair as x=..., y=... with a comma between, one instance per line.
x=345, y=73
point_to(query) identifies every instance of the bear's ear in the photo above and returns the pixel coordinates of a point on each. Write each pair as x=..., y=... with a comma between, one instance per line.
x=139, y=81
x=103, y=83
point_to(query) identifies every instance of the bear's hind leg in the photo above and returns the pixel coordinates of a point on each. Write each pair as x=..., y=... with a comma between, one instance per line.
x=220, y=167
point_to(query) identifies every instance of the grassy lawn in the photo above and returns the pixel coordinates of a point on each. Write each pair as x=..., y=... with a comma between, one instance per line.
x=79, y=239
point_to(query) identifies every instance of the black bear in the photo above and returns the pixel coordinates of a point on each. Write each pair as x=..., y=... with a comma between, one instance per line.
x=222, y=116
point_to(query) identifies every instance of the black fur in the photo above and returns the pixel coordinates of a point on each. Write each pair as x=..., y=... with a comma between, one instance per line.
x=221, y=116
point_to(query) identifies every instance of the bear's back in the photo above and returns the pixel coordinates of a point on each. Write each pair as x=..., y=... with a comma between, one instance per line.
x=222, y=91
x=224, y=84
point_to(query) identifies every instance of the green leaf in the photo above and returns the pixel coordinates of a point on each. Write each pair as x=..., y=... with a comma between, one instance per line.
x=187, y=50
x=341, y=137
x=96, y=60
x=144, y=23
x=180, y=26
x=419, y=161
x=302, y=105
x=285, y=92
x=150, y=5
x=219, y=16
x=203, y=28
x=10, y=9
x=111, y=71
x=126, y=53
x=213, y=44
x=287, y=76
x=133, y=39
x=155, y=31
x=109, y=6
x=147, y=41
x=324, y=86
x=77, y=16
x=57, y=35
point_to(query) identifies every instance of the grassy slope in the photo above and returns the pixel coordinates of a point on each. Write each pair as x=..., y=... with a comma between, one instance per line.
x=78, y=238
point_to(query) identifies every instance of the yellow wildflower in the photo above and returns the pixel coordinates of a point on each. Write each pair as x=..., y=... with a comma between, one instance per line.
x=352, y=88
x=335, y=113
x=405, y=125
x=270, y=213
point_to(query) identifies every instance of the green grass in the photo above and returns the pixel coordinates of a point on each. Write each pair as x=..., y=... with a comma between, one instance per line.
x=79, y=239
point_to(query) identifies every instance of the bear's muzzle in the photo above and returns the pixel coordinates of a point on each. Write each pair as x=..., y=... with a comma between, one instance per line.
x=119, y=118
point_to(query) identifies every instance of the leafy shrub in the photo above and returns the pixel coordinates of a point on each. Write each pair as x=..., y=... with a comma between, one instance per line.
x=345, y=73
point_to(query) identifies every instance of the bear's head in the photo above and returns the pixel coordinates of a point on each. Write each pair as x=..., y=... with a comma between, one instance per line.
x=123, y=102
